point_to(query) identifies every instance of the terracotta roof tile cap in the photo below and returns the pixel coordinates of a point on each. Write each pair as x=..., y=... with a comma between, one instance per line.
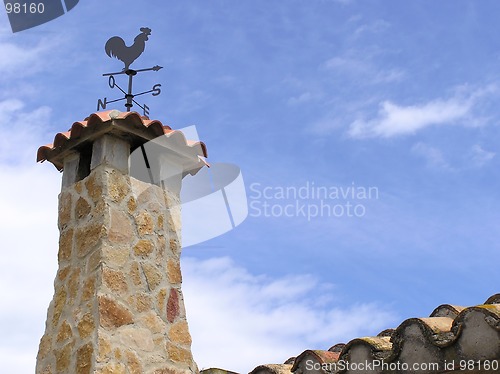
x=494, y=299
x=92, y=124
x=386, y=332
x=337, y=347
x=376, y=343
x=447, y=310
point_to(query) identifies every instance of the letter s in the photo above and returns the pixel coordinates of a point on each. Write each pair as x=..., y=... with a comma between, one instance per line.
x=156, y=89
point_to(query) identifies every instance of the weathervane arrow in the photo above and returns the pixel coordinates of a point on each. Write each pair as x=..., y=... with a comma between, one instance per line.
x=154, y=68
x=115, y=47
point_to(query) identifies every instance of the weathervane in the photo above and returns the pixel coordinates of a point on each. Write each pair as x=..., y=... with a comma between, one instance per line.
x=115, y=47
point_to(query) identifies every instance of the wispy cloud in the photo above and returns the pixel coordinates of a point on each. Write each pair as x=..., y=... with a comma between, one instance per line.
x=365, y=68
x=300, y=99
x=479, y=156
x=389, y=76
x=475, y=157
x=282, y=316
x=21, y=131
x=372, y=27
x=394, y=120
x=398, y=120
x=432, y=155
x=24, y=57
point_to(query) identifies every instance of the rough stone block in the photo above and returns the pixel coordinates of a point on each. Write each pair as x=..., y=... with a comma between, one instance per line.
x=112, y=368
x=115, y=280
x=136, y=338
x=64, y=332
x=179, y=333
x=45, y=346
x=89, y=289
x=58, y=305
x=120, y=230
x=173, y=305
x=65, y=245
x=144, y=223
x=86, y=326
x=178, y=354
x=153, y=275
x=143, y=248
x=133, y=363
x=65, y=209
x=112, y=314
x=73, y=285
x=87, y=237
x=82, y=208
x=115, y=256
x=118, y=186
x=154, y=323
x=135, y=273
x=141, y=302
x=104, y=348
x=84, y=357
x=63, y=358
x=93, y=184
x=174, y=272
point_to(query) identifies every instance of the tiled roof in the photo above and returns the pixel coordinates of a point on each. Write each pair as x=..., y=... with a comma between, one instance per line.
x=452, y=335
x=138, y=129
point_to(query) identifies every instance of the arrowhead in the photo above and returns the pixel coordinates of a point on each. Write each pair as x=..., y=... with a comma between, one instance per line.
x=156, y=68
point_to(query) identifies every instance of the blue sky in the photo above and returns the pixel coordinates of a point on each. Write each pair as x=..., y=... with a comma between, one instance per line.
x=401, y=96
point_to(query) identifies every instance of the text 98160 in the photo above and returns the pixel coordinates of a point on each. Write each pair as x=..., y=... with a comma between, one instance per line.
x=24, y=8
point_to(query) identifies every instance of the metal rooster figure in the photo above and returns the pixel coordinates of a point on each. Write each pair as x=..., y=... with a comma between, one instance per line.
x=115, y=47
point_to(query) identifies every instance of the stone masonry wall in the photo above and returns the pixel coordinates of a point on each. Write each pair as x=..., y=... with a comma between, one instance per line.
x=117, y=306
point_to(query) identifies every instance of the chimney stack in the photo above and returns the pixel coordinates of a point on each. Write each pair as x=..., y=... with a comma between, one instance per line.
x=118, y=305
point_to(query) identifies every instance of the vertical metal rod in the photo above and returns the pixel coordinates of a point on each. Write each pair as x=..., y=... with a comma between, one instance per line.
x=129, y=96
x=148, y=166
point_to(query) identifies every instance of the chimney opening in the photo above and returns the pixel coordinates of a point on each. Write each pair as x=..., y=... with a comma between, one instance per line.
x=84, y=163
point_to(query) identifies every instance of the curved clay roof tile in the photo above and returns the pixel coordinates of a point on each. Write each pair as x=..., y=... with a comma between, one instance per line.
x=140, y=128
x=494, y=299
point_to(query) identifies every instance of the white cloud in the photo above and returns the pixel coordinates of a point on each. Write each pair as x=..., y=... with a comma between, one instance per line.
x=302, y=98
x=372, y=27
x=22, y=56
x=363, y=67
x=28, y=228
x=239, y=320
x=395, y=120
x=479, y=156
x=433, y=156
x=21, y=131
x=345, y=63
x=475, y=157
x=389, y=76
x=15, y=55
x=398, y=120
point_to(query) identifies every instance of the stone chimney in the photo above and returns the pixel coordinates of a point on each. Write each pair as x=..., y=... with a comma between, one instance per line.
x=118, y=305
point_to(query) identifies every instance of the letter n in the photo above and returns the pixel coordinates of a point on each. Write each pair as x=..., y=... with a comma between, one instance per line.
x=101, y=104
